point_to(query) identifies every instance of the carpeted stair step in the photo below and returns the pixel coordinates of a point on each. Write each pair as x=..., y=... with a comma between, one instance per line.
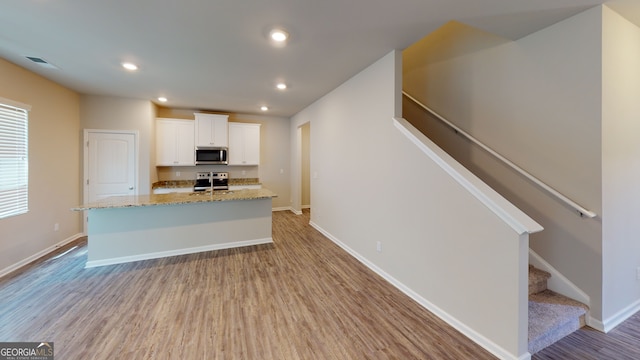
x=537, y=280
x=552, y=317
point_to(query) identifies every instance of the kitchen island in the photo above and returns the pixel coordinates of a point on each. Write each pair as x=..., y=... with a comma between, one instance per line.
x=131, y=228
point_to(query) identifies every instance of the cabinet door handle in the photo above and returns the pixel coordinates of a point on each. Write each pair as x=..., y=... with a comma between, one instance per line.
x=130, y=187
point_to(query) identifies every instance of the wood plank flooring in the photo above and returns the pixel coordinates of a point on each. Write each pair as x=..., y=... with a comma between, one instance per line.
x=299, y=298
x=621, y=343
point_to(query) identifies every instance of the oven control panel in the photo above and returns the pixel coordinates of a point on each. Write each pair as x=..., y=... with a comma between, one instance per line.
x=211, y=181
x=212, y=175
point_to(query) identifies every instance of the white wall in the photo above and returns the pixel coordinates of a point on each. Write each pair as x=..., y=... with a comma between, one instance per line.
x=537, y=101
x=305, y=174
x=620, y=167
x=115, y=113
x=439, y=243
x=54, y=167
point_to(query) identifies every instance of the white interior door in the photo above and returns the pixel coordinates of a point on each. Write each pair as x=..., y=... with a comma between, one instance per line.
x=110, y=164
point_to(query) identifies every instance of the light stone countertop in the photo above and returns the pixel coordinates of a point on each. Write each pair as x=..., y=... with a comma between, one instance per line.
x=244, y=181
x=173, y=184
x=176, y=198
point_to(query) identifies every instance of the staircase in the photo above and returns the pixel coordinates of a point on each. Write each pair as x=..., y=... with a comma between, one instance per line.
x=551, y=315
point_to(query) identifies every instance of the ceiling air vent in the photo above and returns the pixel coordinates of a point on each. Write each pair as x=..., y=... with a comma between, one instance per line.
x=42, y=62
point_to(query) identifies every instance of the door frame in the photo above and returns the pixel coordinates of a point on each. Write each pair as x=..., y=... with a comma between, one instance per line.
x=85, y=162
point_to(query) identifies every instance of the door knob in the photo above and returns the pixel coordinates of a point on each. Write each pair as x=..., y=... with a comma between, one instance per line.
x=130, y=187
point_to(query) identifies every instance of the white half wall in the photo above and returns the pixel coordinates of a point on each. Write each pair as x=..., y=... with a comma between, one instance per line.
x=537, y=102
x=370, y=185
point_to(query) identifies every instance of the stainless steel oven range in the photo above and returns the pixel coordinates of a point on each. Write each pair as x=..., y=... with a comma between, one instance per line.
x=211, y=181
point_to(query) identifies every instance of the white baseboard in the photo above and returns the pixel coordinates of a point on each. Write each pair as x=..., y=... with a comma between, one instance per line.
x=38, y=255
x=287, y=208
x=455, y=323
x=615, y=320
x=596, y=324
x=162, y=254
x=562, y=285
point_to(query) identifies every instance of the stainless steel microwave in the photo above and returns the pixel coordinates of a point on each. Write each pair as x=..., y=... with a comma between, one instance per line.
x=211, y=155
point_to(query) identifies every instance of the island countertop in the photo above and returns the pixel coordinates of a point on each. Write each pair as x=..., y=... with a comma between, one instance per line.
x=179, y=184
x=176, y=198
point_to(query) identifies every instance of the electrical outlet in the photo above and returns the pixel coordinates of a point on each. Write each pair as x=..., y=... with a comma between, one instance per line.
x=56, y=227
x=379, y=246
x=177, y=173
x=638, y=273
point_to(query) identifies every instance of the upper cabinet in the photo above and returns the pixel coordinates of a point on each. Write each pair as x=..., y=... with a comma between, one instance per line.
x=174, y=142
x=211, y=130
x=176, y=139
x=244, y=144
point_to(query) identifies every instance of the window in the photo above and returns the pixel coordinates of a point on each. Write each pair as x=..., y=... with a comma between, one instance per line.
x=14, y=160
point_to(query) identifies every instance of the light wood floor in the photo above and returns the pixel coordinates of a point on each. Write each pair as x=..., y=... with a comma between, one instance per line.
x=621, y=343
x=299, y=298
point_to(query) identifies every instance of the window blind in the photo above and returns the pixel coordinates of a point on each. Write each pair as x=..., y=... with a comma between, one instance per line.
x=14, y=160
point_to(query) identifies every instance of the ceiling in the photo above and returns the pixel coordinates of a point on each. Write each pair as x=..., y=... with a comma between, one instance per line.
x=215, y=54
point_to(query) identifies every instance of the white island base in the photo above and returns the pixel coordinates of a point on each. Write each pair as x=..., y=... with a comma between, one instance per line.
x=124, y=234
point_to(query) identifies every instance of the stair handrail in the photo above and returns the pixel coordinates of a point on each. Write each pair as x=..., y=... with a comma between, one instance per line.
x=581, y=210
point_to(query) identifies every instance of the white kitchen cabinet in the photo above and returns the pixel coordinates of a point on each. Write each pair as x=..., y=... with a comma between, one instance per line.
x=244, y=144
x=212, y=130
x=174, y=142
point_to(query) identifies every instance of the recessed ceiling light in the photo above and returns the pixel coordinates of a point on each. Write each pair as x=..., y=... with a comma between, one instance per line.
x=279, y=35
x=281, y=86
x=162, y=99
x=130, y=66
x=264, y=108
